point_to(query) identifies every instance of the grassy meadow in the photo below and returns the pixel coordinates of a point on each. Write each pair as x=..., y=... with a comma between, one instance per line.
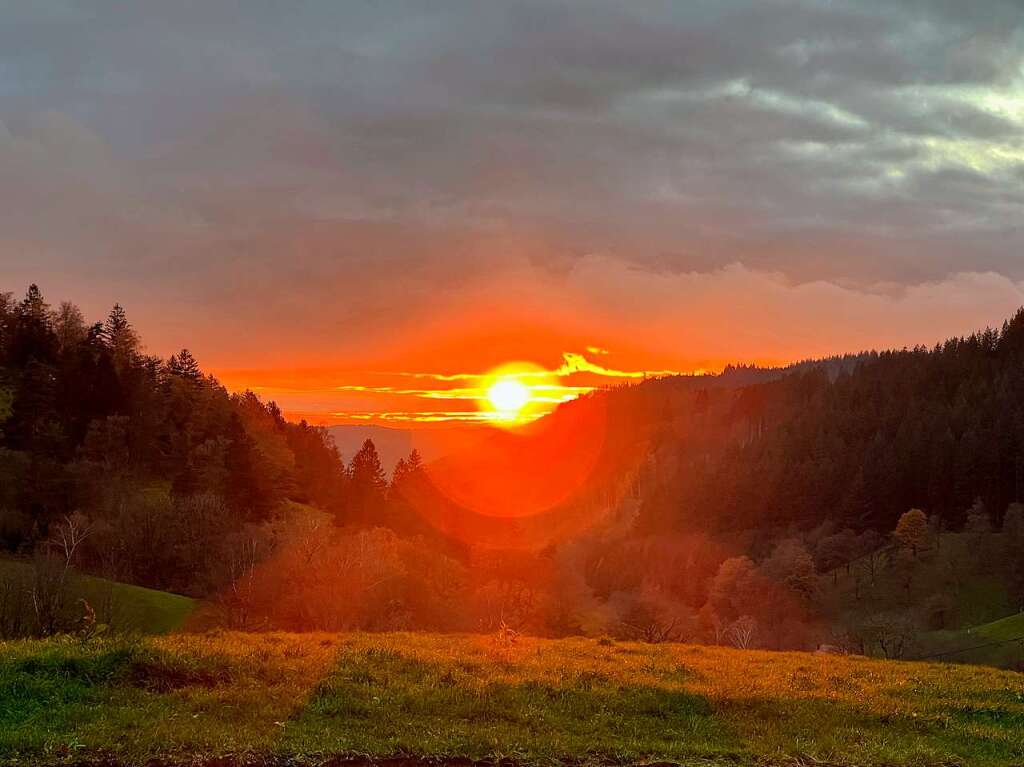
x=267, y=698
x=123, y=606
x=999, y=643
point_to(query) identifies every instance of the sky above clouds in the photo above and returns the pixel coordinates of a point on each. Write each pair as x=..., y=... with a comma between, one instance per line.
x=444, y=186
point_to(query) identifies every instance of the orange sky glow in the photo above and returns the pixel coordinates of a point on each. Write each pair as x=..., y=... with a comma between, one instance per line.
x=438, y=397
x=601, y=325
x=362, y=213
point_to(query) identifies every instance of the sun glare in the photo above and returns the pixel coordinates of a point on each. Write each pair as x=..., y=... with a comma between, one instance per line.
x=515, y=394
x=508, y=396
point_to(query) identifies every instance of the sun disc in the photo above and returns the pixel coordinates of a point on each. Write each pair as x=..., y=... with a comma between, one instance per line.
x=514, y=394
x=508, y=396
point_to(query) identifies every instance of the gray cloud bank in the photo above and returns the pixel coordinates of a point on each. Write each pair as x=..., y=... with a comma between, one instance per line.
x=338, y=165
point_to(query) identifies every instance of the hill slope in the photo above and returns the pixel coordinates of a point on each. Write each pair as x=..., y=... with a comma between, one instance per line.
x=304, y=698
x=1002, y=630
x=124, y=607
x=999, y=643
x=855, y=441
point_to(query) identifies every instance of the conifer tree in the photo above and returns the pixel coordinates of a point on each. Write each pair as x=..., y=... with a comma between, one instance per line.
x=415, y=462
x=32, y=336
x=366, y=470
x=120, y=338
x=398, y=476
x=367, y=484
x=184, y=365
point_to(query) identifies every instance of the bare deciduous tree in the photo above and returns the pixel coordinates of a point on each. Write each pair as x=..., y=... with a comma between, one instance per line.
x=238, y=600
x=893, y=633
x=742, y=632
x=52, y=568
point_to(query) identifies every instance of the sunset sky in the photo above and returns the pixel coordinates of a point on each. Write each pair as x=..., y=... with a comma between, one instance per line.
x=346, y=204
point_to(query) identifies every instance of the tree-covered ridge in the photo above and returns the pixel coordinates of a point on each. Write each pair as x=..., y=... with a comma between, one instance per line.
x=165, y=464
x=855, y=445
x=863, y=500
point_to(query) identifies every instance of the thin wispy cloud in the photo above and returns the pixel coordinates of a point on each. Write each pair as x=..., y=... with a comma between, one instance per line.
x=577, y=363
x=541, y=392
x=572, y=362
x=548, y=388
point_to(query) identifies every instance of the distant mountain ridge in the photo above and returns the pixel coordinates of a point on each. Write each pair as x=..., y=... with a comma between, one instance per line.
x=395, y=443
x=391, y=444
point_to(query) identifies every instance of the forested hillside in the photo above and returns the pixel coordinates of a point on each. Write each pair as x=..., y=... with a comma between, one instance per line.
x=160, y=465
x=843, y=500
x=857, y=444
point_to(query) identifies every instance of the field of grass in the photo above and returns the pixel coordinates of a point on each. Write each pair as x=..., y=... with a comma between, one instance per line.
x=268, y=698
x=990, y=643
x=1001, y=630
x=125, y=607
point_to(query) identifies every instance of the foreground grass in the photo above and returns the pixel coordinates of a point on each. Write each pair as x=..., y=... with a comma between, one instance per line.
x=308, y=697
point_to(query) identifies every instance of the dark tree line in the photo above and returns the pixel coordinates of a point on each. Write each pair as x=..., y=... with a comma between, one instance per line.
x=164, y=463
x=855, y=445
x=715, y=509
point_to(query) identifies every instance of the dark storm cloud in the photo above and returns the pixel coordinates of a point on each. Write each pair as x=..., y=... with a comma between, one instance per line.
x=240, y=148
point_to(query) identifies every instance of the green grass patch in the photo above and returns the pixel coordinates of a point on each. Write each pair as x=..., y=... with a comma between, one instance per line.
x=990, y=644
x=189, y=698
x=124, y=607
x=1003, y=629
x=386, y=702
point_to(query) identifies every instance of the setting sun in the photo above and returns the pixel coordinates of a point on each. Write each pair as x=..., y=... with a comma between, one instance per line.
x=508, y=396
x=519, y=392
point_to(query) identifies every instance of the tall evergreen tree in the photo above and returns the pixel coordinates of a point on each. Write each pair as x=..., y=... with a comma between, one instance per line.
x=367, y=486
x=32, y=337
x=121, y=338
x=184, y=365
